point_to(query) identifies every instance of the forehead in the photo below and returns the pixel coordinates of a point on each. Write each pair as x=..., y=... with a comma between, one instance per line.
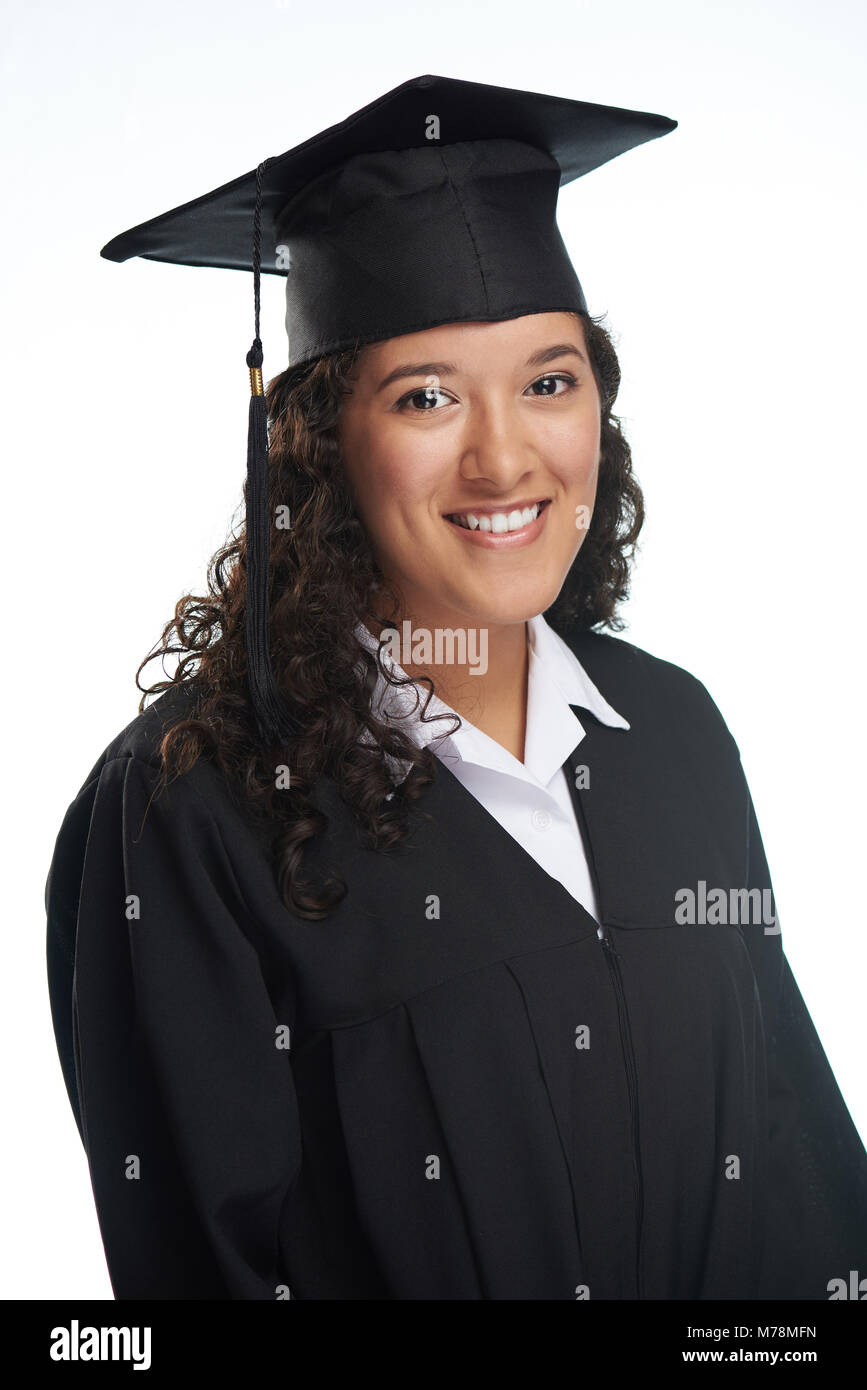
x=473, y=342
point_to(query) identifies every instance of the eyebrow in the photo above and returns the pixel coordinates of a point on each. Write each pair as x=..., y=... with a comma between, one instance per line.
x=538, y=359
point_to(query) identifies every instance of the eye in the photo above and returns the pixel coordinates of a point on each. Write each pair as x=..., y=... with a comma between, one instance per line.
x=427, y=395
x=570, y=382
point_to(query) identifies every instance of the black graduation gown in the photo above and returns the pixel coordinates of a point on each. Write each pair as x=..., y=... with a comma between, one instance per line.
x=435, y=1130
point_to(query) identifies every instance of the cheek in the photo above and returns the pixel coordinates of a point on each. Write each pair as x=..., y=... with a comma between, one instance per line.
x=573, y=452
x=391, y=473
x=392, y=483
x=394, y=490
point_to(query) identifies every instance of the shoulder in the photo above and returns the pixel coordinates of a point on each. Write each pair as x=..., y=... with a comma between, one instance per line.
x=141, y=737
x=651, y=693
x=131, y=764
x=127, y=800
x=136, y=747
x=130, y=769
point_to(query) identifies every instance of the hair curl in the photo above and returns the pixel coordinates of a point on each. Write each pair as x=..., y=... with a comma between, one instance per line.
x=324, y=579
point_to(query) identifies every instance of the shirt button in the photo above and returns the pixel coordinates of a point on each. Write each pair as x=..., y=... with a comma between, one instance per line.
x=541, y=819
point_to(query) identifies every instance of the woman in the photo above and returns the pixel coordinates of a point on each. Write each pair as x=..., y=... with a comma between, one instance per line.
x=466, y=984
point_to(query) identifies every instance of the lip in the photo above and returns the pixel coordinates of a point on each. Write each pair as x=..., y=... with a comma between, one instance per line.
x=509, y=540
x=516, y=506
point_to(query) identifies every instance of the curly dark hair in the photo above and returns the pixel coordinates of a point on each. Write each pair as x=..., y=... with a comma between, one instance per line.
x=323, y=581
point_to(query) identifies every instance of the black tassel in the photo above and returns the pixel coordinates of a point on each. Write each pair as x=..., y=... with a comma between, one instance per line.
x=269, y=710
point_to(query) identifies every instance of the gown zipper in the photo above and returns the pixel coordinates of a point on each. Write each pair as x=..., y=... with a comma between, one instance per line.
x=612, y=958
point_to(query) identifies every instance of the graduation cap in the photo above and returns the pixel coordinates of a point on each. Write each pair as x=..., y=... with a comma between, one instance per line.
x=434, y=204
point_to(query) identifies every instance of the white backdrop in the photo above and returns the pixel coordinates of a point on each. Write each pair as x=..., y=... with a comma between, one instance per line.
x=728, y=257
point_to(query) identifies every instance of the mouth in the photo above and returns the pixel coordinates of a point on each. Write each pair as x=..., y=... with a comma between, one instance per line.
x=499, y=521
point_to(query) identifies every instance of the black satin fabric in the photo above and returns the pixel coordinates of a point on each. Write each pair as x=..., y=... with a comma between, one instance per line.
x=394, y=241
x=434, y=1132
x=435, y=203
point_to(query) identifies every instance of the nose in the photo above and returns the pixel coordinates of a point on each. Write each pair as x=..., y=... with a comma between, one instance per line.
x=497, y=443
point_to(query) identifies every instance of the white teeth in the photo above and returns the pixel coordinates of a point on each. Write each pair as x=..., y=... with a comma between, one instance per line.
x=497, y=522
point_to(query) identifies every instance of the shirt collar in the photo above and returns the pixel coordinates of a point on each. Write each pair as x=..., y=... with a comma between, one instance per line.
x=556, y=681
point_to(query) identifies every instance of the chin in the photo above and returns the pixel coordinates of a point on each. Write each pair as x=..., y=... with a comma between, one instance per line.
x=503, y=610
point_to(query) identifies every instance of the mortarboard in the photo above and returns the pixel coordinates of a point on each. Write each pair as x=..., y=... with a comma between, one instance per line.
x=434, y=204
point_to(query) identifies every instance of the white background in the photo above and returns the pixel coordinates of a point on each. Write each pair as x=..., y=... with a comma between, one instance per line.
x=728, y=257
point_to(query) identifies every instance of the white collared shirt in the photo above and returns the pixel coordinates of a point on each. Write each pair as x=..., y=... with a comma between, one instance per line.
x=531, y=800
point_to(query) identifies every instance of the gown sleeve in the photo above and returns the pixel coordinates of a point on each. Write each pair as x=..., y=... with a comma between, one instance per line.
x=817, y=1171
x=169, y=1043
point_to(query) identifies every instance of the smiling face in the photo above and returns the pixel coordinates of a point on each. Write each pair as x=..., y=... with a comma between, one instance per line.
x=483, y=420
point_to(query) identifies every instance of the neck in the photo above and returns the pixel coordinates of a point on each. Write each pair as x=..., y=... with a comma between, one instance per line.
x=480, y=672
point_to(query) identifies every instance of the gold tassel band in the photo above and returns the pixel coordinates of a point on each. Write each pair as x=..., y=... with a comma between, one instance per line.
x=256, y=381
